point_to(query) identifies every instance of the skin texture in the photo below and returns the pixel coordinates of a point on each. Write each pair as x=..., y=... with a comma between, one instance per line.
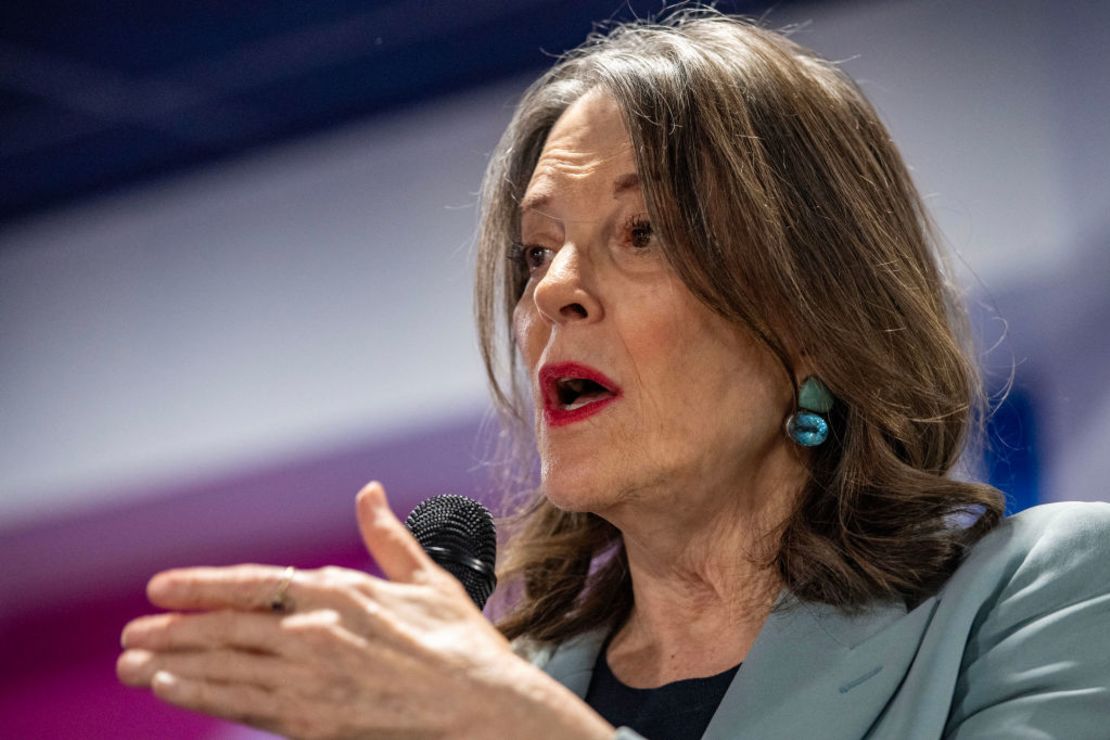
x=691, y=463
x=359, y=656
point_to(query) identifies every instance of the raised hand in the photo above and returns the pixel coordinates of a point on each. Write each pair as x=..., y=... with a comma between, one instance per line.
x=351, y=655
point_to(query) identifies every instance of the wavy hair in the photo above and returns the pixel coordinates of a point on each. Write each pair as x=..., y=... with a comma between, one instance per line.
x=783, y=205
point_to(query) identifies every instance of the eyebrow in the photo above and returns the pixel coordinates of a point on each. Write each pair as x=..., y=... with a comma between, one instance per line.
x=621, y=185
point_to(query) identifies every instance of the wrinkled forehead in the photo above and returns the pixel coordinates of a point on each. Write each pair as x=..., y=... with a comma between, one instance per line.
x=587, y=147
x=593, y=123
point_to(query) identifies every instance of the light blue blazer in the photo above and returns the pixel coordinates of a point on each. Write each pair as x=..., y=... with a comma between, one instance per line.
x=1015, y=645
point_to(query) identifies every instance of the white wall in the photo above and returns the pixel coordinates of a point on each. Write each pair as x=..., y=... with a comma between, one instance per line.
x=252, y=310
x=971, y=93
x=320, y=290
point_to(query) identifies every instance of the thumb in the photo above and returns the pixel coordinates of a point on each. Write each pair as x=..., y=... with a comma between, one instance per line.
x=392, y=546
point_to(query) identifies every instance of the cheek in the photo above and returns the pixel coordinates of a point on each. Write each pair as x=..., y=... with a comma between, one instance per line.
x=716, y=376
x=525, y=326
x=754, y=389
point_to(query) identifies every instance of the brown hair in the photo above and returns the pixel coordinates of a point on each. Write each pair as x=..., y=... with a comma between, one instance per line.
x=777, y=192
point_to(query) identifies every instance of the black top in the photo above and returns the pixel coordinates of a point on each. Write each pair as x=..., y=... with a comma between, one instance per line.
x=677, y=710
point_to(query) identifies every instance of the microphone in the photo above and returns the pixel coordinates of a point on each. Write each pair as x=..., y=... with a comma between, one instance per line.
x=459, y=535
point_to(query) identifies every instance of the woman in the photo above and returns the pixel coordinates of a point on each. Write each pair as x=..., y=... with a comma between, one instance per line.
x=743, y=362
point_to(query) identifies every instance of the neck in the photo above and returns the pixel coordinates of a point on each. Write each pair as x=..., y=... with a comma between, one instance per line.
x=703, y=578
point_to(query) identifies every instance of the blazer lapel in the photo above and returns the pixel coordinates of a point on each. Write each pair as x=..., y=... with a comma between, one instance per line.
x=572, y=663
x=812, y=672
x=815, y=672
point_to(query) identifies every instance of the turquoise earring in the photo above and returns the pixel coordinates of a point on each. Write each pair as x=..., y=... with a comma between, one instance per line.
x=807, y=426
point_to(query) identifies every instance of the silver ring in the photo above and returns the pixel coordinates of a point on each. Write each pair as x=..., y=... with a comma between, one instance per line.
x=280, y=602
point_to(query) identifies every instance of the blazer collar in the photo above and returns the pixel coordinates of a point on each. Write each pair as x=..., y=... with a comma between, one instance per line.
x=808, y=659
x=572, y=663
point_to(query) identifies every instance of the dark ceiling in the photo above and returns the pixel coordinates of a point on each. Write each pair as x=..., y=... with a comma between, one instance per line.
x=99, y=95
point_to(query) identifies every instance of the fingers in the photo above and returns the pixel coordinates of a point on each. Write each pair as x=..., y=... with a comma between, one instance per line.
x=136, y=667
x=164, y=632
x=393, y=547
x=289, y=636
x=265, y=690
x=236, y=702
x=253, y=588
x=245, y=587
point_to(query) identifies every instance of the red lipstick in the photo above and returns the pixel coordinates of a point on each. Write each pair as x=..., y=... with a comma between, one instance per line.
x=573, y=392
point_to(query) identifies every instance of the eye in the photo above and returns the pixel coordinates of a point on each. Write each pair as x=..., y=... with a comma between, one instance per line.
x=638, y=232
x=527, y=258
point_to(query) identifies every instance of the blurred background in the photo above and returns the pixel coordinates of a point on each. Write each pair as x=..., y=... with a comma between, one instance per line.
x=235, y=275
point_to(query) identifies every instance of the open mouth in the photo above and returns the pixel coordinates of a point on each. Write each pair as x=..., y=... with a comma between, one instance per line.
x=572, y=392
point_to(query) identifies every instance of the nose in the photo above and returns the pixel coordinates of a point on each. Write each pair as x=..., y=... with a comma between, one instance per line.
x=562, y=295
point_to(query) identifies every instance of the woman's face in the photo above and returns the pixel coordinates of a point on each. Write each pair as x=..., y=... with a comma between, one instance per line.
x=682, y=403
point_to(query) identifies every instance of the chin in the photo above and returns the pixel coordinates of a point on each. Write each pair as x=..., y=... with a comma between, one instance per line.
x=568, y=500
x=587, y=490
x=575, y=492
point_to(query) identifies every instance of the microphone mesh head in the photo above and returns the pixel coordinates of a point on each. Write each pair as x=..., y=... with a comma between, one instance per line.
x=458, y=533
